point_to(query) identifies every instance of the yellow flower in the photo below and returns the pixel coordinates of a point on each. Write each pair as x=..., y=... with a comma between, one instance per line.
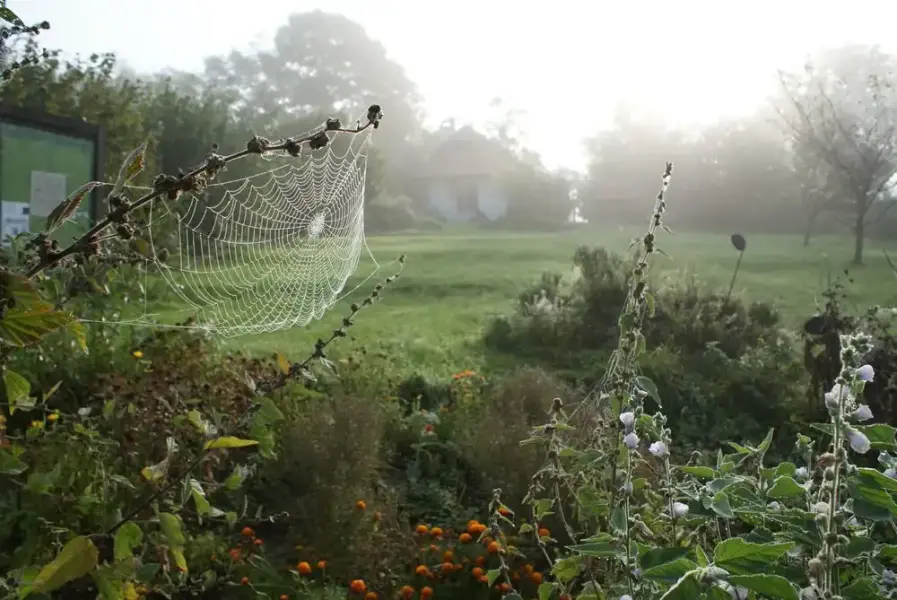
x=138, y=354
x=53, y=417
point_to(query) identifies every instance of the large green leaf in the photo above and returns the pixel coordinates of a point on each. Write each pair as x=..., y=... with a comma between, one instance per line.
x=18, y=389
x=127, y=539
x=741, y=557
x=25, y=326
x=687, y=588
x=864, y=588
x=77, y=558
x=785, y=486
x=669, y=572
x=771, y=586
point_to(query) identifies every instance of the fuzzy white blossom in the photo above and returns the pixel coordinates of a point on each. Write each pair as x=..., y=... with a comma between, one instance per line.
x=820, y=508
x=631, y=440
x=801, y=473
x=679, y=510
x=774, y=506
x=658, y=449
x=891, y=472
x=625, y=597
x=866, y=373
x=858, y=441
x=627, y=418
x=840, y=394
x=862, y=413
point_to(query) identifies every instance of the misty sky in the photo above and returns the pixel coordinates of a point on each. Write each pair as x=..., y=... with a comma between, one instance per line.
x=565, y=62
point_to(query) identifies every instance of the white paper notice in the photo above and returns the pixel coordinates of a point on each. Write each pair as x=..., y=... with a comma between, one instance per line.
x=15, y=219
x=47, y=192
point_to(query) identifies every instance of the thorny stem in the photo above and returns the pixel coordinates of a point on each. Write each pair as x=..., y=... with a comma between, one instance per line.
x=210, y=166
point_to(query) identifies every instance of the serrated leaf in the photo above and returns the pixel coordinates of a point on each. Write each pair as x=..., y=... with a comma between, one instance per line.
x=127, y=539
x=741, y=557
x=68, y=207
x=130, y=168
x=229, y=442
x=25, y=326
x=77, y=558
x=18, y=389
x=771, y=586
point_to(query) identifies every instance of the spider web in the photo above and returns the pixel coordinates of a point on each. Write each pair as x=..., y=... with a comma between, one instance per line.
x=267, y=252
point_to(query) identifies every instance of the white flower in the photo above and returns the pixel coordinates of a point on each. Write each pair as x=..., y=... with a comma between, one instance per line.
x=774, y=506
x=866, y=373
x=625, y=597
x=820, y=508
x=801, y=473
x=858, y=441
x=891, y=472
x=839, y=394
x=627, y=488
x=658, y=449
x=679, y=510
x=862, y=413
x=631, y=440
x=627, y=418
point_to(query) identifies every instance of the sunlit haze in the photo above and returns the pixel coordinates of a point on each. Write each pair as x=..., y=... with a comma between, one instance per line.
x=689, y=61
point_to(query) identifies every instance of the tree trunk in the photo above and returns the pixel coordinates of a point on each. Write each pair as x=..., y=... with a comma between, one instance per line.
x=811, y=220
x=859, y=233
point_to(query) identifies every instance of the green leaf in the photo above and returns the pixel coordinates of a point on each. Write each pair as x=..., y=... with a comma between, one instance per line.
x=785, y=486
x=701, y=472
x=9, y=16
x=618, y=519
x=77, y=558
x=649, y=302
x=771, y=586
x=566, y=569
x=25, y=326
x=18, y=389
x=741, y=557
x=687, y=588
x=127, y=539
x=869, y=492
x=492, y=575
x=10, y=464
x=545, y=590
x=68, y=207
x=172, y=530
x=703, y=561
x=648, y=386
x=228, y=442
x=130, y=168
x=661, y=556
x=720, y=505
x=766, y=443
x=864, y=588
x=873, y=477
x=669, y=572
x=596, y=549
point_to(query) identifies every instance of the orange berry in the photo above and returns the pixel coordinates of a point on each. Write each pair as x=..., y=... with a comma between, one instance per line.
x=244, y=581
x=447, y=567
x=481, y=560
x=447, y=556
x=479, y=528
x=515, y=576
x=361, y=505
x=544, y=532
x=536, y=577
x=284, y=597
x=258, y=541
x=458, y=567
x=436, y=532
x=477, y=572
x=248, y=532
x=304, y=568
x=234, y=553
x=322, y=564
x=492, y=548
x=358, y=586
x=377, y=516
x=528, y=569
x=421, y=569
x=421, y=530
x=426, y=592
x=407, y=592
x=505, y=588
x=484, y=579
x=370, y=596
x=431, y=575
x=465, y=538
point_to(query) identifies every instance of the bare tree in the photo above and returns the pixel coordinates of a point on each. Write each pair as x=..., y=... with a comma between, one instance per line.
x=841, y=116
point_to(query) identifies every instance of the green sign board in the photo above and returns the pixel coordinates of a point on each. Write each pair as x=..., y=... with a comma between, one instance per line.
x=42, y=161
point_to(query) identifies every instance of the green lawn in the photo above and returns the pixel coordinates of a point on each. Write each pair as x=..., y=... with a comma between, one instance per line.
x=431, y=319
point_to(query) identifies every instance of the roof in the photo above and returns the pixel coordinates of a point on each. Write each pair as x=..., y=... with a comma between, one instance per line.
x=467, y=152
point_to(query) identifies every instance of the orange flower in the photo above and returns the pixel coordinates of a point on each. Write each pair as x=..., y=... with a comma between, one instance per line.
x=477, y=572
x=370, y=596
x=248, y=532
x=492, y=548
x=465, y=538
x=234, y=553
x=304, y=568
x=544, y=532
x=536, y=578
x=436, y=532
x=244, y=581
x=421, y=530
x=505, y=588
x=361, y=505
x=426, y=592
x=407, y=592
x=358, y=586
x=322, y=564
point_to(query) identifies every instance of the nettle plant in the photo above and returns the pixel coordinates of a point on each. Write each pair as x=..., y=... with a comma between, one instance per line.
x=639, y=527
x=88, y=507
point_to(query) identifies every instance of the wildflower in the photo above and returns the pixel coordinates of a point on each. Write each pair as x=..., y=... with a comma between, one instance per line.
x=465, y=538
x=838, y=395
x=421, y=569
x=304, y=568
x=322, y=564
x=679, y=510
x=426, y=592
x=433, y=548
x=407, y=592
x=284, y=597
x=244, y=581
x=627, y=418
x=358, y=586
x=858, y=441
x=436, y=532
x=421, y=530
x=137, y=354
x=481, y=561
x=361, y=505
x=658, y=449
x=801, y=473
x=862, y=413
x=484, y=579
x=625, y=597
x=631, y=440
x=53, y=417
x=247, y=532
x=492, y=548
x=865, y=373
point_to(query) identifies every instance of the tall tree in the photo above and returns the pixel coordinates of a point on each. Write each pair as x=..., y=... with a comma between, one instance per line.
x=841, y=116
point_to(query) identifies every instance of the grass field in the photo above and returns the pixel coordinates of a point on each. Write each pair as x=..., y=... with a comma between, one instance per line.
x=431, y=319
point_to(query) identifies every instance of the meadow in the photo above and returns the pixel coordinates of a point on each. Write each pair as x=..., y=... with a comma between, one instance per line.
x=431, y=319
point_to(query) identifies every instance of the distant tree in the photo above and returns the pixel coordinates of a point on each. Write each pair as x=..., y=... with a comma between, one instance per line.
x=841, y=117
